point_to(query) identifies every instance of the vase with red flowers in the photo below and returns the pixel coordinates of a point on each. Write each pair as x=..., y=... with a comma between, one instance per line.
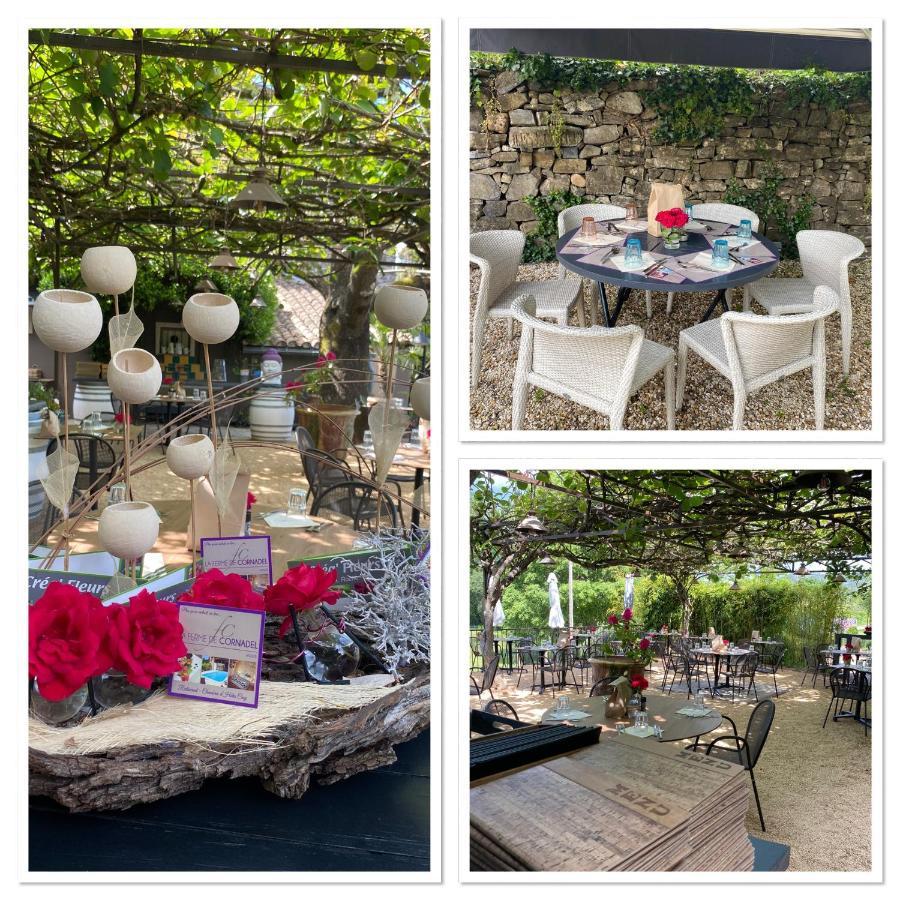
x=671, y=221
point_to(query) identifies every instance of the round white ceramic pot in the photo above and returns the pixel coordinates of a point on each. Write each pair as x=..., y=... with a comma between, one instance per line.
x=134, y=375
x=271, y=416
x=400, y=306
x=129, y=530
x=190, y=456
x=108, y=270
x=420, y=398
x=211, y=318
x=67, y=321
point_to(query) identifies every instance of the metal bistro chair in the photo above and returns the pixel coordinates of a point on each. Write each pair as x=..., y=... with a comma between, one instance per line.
x=742, y=670
x=528, y=658
x=814, y=664
x=848, y=684
x=475, y=653
x=603, y=687
x=771, y=664
x=501, y=708
x=96, y=458
x=581, y=662
x=747, y=748
x=357, y=501
x=486, y=683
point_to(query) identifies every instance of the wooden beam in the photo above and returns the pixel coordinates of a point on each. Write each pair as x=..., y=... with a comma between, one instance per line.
x=251, y=58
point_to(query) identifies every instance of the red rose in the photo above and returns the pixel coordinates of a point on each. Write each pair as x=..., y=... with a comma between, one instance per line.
x=167, y=379
x=644, y=644
x=679, y=217
x=665, y=218
x=627, y=614
x=331, y=356
x=846, y=657
x=363, y=586
x=725, y=641
x=304, y=587
x=145, y=638
x=320, y=362
x=294, y=385
x=613, y=619
x=66, y=629
x=251, y=499
x=120, y=417
x=644, y=684
x=636, y=683
x=214, y=588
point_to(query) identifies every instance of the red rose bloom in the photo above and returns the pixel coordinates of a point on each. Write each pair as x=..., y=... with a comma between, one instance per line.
x=363, y=586
x=613, y=619
x=331, y=356
x=627, y=614
x=145, y=638
x=304, y=587
x=672, y=218
x=321, y=362
x=214, y=588
x=639, y=683
x=644, y=643
x=66, y=628
x=167, y=379
x=251, y=499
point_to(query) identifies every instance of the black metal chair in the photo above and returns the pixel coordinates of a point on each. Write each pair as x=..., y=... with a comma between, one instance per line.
x=748, y=748
x=321, y=469
x=848, y=684
x=475, y=647
x=477, y=688
x=742, y=670
x=361, y=503
x=815, y=664
x=96, y=457
x=770, y=664
x=501, y=708
x=603, y=687
x=528, y=658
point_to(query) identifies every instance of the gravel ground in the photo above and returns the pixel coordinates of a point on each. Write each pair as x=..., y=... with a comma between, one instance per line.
x=785, y=405
x=814, y=783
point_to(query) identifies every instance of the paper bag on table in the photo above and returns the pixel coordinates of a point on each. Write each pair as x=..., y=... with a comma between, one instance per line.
x=662, y=196
x=207, y=514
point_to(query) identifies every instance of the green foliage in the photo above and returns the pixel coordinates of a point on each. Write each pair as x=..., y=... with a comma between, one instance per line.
x=41, y=392
x=540, y=244
x=691, y=101
x=773, y=209
x=157, y=284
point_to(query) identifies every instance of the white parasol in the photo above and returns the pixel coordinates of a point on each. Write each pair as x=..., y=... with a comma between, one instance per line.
x=556, y=616
x=499, y=615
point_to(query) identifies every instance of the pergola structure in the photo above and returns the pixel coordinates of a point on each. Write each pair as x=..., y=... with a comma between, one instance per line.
x=679, y=523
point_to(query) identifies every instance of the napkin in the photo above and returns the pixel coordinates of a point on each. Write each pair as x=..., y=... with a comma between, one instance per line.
x=734, y=240
x=642, y=732
x=647, y=260
x=709, y=228
x=693, y=712
x=568, y=715
x=284, y=520
x=703, y=261
x=581, y=243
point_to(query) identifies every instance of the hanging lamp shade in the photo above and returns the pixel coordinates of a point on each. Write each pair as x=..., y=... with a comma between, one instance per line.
x=531, y=524
x=547, y=561
x=258, y=194
x=803, y=570
x=223, y=260
x=205, y=286
x=838, y=579
x=257, y=303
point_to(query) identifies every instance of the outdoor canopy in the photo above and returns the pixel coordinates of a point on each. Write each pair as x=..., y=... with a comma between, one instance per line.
x=838, y=50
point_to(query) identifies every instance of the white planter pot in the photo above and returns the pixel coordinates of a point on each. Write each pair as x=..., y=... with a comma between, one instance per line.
x=400, y=306
x=67, y=321
x=134, y=375
x=420, y=398
x=190, y=456
x=128, y=530
x=108, y=270
x=211, y=318
x=91, y=396
x=271, y=418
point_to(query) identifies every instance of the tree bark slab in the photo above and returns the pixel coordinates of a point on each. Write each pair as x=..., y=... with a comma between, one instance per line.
x=315, y=740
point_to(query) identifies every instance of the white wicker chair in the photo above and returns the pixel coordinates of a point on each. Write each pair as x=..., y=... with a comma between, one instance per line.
x=753, y=351
x=729, y=214
x=825, y=257
x=498, y=255
x=597, y=367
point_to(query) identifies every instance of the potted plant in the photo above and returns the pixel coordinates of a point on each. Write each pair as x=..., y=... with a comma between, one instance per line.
x=636, y=653
x=671, y=222
x=330, y=424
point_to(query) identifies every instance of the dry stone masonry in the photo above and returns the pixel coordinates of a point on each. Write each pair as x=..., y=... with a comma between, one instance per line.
x=607, y=153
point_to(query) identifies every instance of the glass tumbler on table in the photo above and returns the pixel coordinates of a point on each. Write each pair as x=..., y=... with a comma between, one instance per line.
x=118, y=493
x=744, y=229
x=630, y=212
x=588, y=226
x=720, y=258
x=633, y=255
x=297, y=502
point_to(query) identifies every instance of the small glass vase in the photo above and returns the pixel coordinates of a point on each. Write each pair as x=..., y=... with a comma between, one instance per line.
x=113, y=688
x=330, y=654
x=57, y=712
x=672, y=240
x=634, y=707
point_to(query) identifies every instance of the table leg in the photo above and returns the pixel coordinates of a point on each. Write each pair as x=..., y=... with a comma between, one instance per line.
x=543, y=686
x=720, y=298
x=621, y=298
x=418, y=481
x=92, y=468
x=604, y=304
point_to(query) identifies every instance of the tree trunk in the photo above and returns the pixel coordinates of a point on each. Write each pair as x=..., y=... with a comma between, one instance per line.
x=682, y=591
x=344, y=329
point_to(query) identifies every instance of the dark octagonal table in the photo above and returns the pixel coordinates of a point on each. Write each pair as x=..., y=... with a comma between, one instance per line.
x=631, y=281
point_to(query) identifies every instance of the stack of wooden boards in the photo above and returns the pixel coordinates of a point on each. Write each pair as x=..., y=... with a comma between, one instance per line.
x=625, y=804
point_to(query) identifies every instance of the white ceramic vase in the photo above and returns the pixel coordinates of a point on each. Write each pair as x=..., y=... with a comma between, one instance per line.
x=211, y=318
x=108, y=270
x=134, y=375
x=400, y=306
x=420, y=398
x=190, y=456
x=67, y=321
x=129, y=530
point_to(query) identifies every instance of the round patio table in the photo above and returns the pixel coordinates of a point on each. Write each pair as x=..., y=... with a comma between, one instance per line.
x=662, y=711
x=631, y=281
x=718, y=655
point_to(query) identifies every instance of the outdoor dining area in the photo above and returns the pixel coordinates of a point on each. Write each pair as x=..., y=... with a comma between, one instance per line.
x=653, y=673
x=230, y=449
x=710, y=276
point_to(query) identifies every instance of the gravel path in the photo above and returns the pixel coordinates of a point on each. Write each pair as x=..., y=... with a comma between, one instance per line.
x=785, y=405
x=814, y=783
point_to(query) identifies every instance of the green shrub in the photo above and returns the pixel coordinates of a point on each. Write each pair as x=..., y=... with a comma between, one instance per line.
x=540, y=244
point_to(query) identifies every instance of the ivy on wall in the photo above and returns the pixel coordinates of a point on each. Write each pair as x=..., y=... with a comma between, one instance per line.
x=691, y=102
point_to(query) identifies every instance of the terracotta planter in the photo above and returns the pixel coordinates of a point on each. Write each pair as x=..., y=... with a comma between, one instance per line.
x=607, y=666
x=336, y=428
x=67, y=321
x=134, y=375
x=400, y=306
x=190, y=456
x=211, y=318
x=108, y=270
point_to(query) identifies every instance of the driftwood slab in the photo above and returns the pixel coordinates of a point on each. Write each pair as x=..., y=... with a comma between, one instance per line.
x=167, y=746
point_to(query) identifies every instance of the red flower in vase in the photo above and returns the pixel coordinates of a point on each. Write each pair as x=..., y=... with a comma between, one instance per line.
x=251, y=499
x=644, y=643
x=215, y=588
x=167, y=379
x=639, y=684
x=66, y=631
x=119, y=417
x=672, y=218
x=846, y=657
x=145, y=638
x=331, y=356
x=320, y=362
x=303, y=587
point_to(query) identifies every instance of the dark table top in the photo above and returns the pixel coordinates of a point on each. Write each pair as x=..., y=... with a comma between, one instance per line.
x=375, y=821
x=695, y=243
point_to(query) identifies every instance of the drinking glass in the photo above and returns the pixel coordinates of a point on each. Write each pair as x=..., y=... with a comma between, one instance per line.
x=297, y=502
x=689, y=209
x=720, y=258
x=744, y=230
x=118, y=493
x=367, y=440
x=633, y=256
x=630, y=212
x=562, y=704
x=588, y=226
x=620, y=727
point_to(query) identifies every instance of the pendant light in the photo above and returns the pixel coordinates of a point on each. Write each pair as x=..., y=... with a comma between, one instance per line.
x=257, y=303
x=223, y=260
x=258, y=194
x=802, y=570
x=205, y=286
x=547, y=561
x=531, y=524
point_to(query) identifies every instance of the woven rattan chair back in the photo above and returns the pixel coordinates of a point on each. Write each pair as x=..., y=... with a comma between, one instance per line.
x=727, y=213
x=825, y=257
x=498, y=255
x=601, y=212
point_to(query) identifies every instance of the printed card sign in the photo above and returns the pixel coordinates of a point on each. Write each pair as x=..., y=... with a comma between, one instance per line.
x=224, y=647
x=40, y=579
x=238, y=555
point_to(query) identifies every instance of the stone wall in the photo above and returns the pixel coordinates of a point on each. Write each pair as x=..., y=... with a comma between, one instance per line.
x=608, y=153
